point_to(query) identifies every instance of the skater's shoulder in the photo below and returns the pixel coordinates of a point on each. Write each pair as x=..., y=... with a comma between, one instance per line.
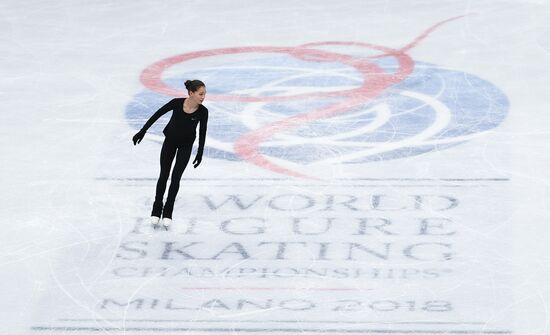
x=174, y=101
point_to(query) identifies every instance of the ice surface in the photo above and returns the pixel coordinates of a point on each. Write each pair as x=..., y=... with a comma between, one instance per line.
x=370, y=167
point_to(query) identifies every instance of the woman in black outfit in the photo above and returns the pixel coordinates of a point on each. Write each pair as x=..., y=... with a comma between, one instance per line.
x=180, y=133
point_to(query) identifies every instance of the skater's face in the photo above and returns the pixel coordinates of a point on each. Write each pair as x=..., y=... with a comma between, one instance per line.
x=199, y=95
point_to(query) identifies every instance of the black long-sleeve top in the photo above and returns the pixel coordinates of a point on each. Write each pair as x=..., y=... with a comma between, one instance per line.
x=182, y=126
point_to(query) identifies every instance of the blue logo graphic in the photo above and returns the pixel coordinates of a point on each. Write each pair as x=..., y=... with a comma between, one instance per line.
x=433, y=108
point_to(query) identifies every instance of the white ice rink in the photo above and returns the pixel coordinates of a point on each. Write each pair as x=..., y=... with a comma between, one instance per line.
x=374, y=167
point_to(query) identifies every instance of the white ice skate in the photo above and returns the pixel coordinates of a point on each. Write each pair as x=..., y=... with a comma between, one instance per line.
x=155, y=220
x=166, y=222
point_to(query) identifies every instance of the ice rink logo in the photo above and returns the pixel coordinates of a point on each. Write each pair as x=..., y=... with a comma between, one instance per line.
x=288, y=109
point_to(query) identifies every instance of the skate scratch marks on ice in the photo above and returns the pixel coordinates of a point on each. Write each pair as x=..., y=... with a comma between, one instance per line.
x=375, y=82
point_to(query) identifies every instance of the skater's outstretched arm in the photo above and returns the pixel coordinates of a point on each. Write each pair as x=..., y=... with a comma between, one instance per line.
x=202, y=138
x=160, y=112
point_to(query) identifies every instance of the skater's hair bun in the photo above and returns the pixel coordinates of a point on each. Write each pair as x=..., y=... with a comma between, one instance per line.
x=193, y=85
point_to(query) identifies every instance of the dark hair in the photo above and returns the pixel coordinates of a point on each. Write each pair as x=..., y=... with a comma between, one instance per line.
x=193, y=85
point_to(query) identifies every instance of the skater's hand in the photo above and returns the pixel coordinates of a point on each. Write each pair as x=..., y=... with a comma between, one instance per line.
x=138, y=137
x=197, y=161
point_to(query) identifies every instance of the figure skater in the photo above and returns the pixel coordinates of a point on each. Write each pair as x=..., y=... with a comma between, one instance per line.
x=180, y=133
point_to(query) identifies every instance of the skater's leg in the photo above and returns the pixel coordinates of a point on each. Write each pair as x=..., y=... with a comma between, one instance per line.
x=167, y=154
x=182, y=158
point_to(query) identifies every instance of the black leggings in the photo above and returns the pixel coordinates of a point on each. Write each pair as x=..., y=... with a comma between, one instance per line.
x=167, y=153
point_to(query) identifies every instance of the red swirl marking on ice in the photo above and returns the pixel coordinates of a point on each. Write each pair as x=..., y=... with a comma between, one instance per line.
x=375, y=82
